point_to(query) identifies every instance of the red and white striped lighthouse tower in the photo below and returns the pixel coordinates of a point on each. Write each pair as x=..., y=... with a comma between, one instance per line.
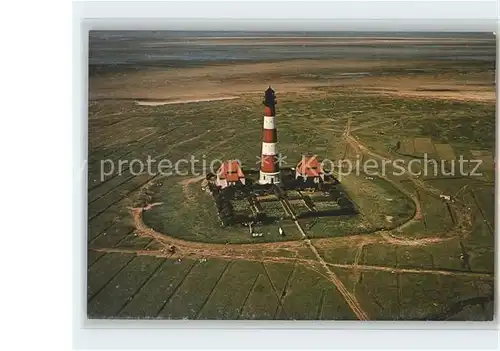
x=269, y=167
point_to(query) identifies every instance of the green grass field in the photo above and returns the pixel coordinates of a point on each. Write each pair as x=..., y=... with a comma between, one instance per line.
x=397, y=264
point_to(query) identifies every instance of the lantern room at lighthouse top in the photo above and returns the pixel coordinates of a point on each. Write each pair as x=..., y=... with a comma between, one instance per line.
x=270, y=102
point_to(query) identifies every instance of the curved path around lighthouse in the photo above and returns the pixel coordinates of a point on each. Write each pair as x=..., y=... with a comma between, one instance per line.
x=273, y=252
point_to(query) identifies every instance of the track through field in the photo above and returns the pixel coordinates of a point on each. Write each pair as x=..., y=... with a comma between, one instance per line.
x=272, y=252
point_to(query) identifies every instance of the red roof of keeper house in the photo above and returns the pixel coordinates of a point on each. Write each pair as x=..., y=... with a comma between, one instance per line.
x=230, y=171
x=309, y=166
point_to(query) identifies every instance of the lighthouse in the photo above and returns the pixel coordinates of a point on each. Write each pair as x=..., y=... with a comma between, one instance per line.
x=269, y=167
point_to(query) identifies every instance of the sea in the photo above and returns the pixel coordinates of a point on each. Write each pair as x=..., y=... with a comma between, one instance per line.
x=147, y=49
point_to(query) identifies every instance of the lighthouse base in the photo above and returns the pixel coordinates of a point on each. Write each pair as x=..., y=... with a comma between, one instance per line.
x=269, y=178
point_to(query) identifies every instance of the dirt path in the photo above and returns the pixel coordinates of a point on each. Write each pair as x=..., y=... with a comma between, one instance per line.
x=309, y=263
x=348, y=297
x=259, y=250
x=185, y=186
x=273, y=252
x=463, y=225
x=199, y=249
x=394, y=240
x=417, y=216
x=290, y=251
x=394, y=270
x=330, y=275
